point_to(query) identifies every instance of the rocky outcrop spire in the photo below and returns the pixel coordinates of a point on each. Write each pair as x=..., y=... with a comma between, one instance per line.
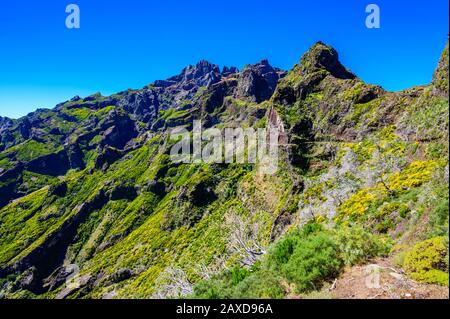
x=257, y=82
x=323, y=57
x=202, y=74
x=318, y=63
x=227, y=71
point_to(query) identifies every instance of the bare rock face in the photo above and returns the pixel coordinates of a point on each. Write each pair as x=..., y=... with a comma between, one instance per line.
x=146, y=104
x=276, y=123
x=227, y=71
x=107, y=156
x=120, y=131
x=202, y=74
x=59, y=189
x=217, y=93
x=5, y=135
x=24, y=128
x=27, y=280
x=121, y=275
x=143, y=104
x=258, y=82
x=5, y=123
x=186, y=84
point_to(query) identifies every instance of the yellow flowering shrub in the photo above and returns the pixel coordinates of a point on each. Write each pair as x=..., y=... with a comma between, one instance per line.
x=427, y=261
x=359, y=203
x=415, y=175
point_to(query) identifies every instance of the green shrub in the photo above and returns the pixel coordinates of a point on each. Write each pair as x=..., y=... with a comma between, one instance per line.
x=221, y=286
x=283, y=250
x=438, y=222
x=238, y=274
x=314, y=259
x=356, y=245
x=303, y=257
x=263, y=284
x=217, y=287
x=427, y=261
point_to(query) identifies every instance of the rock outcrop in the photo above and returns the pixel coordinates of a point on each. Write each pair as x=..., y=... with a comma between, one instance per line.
x=257, y=82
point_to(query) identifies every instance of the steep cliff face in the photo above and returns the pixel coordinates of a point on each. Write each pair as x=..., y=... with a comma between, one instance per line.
x=257, y=82
x=91, y=184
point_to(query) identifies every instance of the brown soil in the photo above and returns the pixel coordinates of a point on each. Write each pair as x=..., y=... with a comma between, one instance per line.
x=381, y=280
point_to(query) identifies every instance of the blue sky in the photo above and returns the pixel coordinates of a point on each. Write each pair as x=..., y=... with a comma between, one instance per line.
x=128, y=44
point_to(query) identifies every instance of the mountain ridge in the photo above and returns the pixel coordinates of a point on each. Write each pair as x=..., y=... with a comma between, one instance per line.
x=90, y=182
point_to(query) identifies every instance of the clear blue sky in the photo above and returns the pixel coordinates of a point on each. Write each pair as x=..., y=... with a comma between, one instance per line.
x=130, y=43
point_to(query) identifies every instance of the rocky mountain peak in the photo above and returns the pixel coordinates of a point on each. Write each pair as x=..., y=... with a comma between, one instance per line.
x=2, y=120
x=262, y=67
x=324, y=57
x=257, y=82
x=5, y=123
x=226, y=71
x=203, y=73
